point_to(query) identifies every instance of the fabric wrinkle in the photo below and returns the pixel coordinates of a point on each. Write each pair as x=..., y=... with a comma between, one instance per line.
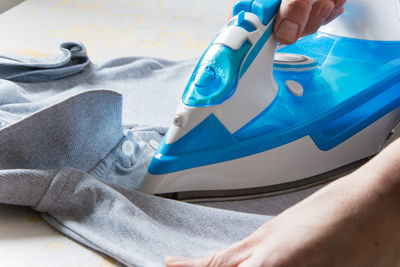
x=72, y=60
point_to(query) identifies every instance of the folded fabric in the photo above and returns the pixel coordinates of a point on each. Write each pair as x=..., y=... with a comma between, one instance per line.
x=73, y=59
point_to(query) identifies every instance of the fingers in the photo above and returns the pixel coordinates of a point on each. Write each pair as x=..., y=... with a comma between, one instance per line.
x=220, y=259
x=178, y=261
x=335, y=13
x=291, y=20
x=230, y=257
x=297, y=18
x=319, y=13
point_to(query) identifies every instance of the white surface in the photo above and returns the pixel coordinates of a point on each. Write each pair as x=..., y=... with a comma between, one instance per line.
x=369, y=20
x=398, y=9
x=296, y=160
x=26, y=240
x=173, y=29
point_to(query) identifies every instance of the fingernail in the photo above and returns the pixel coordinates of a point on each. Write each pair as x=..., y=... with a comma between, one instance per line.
x=288, y=31
x=326, y=11
x=341, y=11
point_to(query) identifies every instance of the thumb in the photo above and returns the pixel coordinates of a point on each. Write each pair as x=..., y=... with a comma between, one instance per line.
x=292, y=18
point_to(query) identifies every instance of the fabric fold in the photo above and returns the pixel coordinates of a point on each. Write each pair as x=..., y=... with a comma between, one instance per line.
x=77, y=132
x=135, y=228
x=24, y=187
x=73, y=59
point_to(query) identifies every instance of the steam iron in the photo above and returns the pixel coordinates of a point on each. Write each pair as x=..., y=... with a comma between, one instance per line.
x=256, y=121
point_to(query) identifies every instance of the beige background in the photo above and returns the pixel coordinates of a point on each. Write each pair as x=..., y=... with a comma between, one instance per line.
x=173, y=29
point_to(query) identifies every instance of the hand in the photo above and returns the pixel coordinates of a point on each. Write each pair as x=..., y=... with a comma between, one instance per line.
x=354, y=222
x=297, y=18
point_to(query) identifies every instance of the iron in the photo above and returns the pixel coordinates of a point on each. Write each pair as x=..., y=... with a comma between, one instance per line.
x=256, y=121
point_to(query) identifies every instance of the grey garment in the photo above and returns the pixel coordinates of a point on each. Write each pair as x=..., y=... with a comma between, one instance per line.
x=73, y=59
x=97, y=204
x=151, y=90
x=24, y=187
x=135, y=228
x=61, y=146
x=77, y=132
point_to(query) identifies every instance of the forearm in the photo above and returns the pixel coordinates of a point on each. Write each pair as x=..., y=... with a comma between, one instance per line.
x=353, y=221
x=385, y=169
x=376, y=182
x=361, y=212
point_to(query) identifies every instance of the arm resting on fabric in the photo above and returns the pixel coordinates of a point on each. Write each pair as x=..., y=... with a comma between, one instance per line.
x=353, y=221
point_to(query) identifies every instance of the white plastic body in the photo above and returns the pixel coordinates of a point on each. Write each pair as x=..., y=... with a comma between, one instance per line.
x=254, y=92
x=291, y=162
x=368, y=20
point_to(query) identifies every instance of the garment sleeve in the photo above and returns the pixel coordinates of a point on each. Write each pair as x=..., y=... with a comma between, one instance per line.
x=135, y=228
x=24, y=187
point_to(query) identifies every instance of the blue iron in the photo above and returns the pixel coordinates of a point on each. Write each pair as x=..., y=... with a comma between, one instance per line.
x=256, y=121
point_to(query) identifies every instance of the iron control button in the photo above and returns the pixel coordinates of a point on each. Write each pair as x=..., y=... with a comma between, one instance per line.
x=204, y=77
x=286, y=57
x=293, y=62
x=178, y=120
x=295, y=87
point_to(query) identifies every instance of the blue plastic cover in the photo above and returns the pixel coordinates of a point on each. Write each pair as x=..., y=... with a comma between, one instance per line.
x=216, y=75
x=264, y=9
